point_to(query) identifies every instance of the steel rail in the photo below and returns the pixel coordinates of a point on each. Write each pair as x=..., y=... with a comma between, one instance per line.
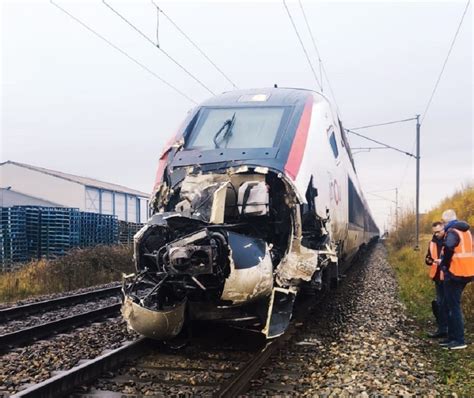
x=36, y=332
x=8, y=314
x=239, y=383
x=65, y=382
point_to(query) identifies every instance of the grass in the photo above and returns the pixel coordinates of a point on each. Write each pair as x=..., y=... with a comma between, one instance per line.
x=77, y=269
x=455, y=369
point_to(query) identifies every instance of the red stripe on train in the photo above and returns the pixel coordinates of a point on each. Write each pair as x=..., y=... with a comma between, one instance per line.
x=295, y=157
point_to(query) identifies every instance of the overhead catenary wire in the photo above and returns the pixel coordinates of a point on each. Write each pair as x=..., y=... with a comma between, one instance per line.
x=383, y=124
x=381, y=197
x=160, y=10
x=157, y=47
x=322, y=68
x=302, y=44
x=331, y=90
x=407, y=164
x=314, y=44
x=124, y=53
x=445, y=62
x=380, y=143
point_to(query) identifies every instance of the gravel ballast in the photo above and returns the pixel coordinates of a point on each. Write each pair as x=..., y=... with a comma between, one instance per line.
x=358, y=342
x=56, y=314
x=37, y=362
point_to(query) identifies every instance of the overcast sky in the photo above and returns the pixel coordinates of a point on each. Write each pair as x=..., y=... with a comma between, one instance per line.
x=70, y=102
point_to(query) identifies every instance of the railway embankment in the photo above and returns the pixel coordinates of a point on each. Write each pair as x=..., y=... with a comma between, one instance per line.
x=359, y=342
x=416, y=291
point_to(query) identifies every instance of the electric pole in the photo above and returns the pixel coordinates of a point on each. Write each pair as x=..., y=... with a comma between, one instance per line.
x=417, y=245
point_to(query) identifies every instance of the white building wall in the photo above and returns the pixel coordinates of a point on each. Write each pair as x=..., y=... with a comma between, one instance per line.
x=43, y=186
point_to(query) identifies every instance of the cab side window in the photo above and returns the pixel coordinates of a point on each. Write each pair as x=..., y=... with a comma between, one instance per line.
x=332, y=141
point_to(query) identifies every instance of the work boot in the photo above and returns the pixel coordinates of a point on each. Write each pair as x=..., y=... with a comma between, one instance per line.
x=455, y=345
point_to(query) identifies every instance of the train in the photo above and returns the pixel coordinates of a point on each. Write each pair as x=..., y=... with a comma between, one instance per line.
x=256, y=200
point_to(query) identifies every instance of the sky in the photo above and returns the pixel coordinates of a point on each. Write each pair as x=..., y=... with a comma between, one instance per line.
x=71, y=102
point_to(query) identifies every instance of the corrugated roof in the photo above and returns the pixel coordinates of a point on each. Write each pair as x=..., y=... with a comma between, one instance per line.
x=90, y=182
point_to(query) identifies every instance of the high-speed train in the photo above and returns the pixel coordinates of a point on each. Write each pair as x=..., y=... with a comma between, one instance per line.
x=256, y=199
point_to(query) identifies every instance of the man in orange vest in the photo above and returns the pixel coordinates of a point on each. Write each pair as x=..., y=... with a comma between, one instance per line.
x=439, y=305
x=457, y=264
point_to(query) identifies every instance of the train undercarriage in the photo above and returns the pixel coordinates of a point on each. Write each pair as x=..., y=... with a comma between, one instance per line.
x=232, y=245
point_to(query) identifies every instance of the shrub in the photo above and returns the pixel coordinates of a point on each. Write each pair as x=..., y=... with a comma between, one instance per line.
x=77, y=269
x=463, y=204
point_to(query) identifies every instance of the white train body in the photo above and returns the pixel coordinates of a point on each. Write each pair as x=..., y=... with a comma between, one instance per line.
x=256, y=198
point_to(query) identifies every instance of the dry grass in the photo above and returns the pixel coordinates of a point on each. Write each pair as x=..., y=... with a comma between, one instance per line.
x=79, y=268
x=417, y=290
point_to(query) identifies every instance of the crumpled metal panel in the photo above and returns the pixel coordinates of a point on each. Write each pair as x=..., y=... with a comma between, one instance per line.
x=247, y=284
x=159, y=325
x=280, y=311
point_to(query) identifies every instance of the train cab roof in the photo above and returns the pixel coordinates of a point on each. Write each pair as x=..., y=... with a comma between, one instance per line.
x=255, y=127
x=260, y=97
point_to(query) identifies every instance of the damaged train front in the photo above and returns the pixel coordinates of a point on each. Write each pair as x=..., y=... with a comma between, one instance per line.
x=209, y=252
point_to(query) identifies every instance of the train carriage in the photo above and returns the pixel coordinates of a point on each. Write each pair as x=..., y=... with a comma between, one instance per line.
x=256, y=198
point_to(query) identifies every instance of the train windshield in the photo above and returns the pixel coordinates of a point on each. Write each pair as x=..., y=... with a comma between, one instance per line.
x=257, y=127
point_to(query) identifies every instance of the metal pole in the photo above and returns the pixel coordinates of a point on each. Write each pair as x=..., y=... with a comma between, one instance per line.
x=417, y=246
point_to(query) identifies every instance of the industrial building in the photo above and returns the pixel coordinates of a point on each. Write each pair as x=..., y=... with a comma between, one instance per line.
x=22, y=184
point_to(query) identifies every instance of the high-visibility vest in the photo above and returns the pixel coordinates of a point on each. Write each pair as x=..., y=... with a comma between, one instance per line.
x=435, y=256
x=462, y=263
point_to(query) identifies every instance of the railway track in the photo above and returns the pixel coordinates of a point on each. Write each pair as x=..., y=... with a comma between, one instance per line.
x=219, y=362
x=215, y=363
x=8, y=314
x=29, y=333
x=223, y=374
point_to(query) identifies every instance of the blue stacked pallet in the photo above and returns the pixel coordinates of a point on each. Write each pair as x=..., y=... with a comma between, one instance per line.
x=107, y=230
x=59, y=230
x=1, y=244
x=14, y=242
x=98, y=229
x=87, y=237
x=33, y=231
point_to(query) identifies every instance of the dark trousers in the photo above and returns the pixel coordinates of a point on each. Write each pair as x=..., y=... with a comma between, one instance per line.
x=442, y=318
x=453, y=291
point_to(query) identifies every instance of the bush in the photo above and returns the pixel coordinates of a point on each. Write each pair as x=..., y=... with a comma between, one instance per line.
x=404, y=235
x=410, y=265
x=77, y=269
x=462, y=202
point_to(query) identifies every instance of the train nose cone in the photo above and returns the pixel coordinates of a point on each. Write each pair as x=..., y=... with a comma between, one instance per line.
x=155, y=324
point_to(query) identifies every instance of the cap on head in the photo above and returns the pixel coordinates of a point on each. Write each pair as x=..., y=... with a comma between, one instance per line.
x=449, y=215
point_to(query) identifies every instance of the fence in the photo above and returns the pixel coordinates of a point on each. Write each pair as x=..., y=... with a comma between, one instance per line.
x=31, y=232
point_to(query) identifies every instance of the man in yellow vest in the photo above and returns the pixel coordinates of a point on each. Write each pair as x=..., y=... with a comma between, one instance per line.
x=457, y=264
x=439, y=305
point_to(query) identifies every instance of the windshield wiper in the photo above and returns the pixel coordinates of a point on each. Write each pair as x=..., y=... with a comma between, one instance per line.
x=228, y=124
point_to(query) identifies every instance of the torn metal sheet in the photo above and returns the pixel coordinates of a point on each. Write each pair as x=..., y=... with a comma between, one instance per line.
x=218, y=204
x=297, y=267
x=280, y=311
